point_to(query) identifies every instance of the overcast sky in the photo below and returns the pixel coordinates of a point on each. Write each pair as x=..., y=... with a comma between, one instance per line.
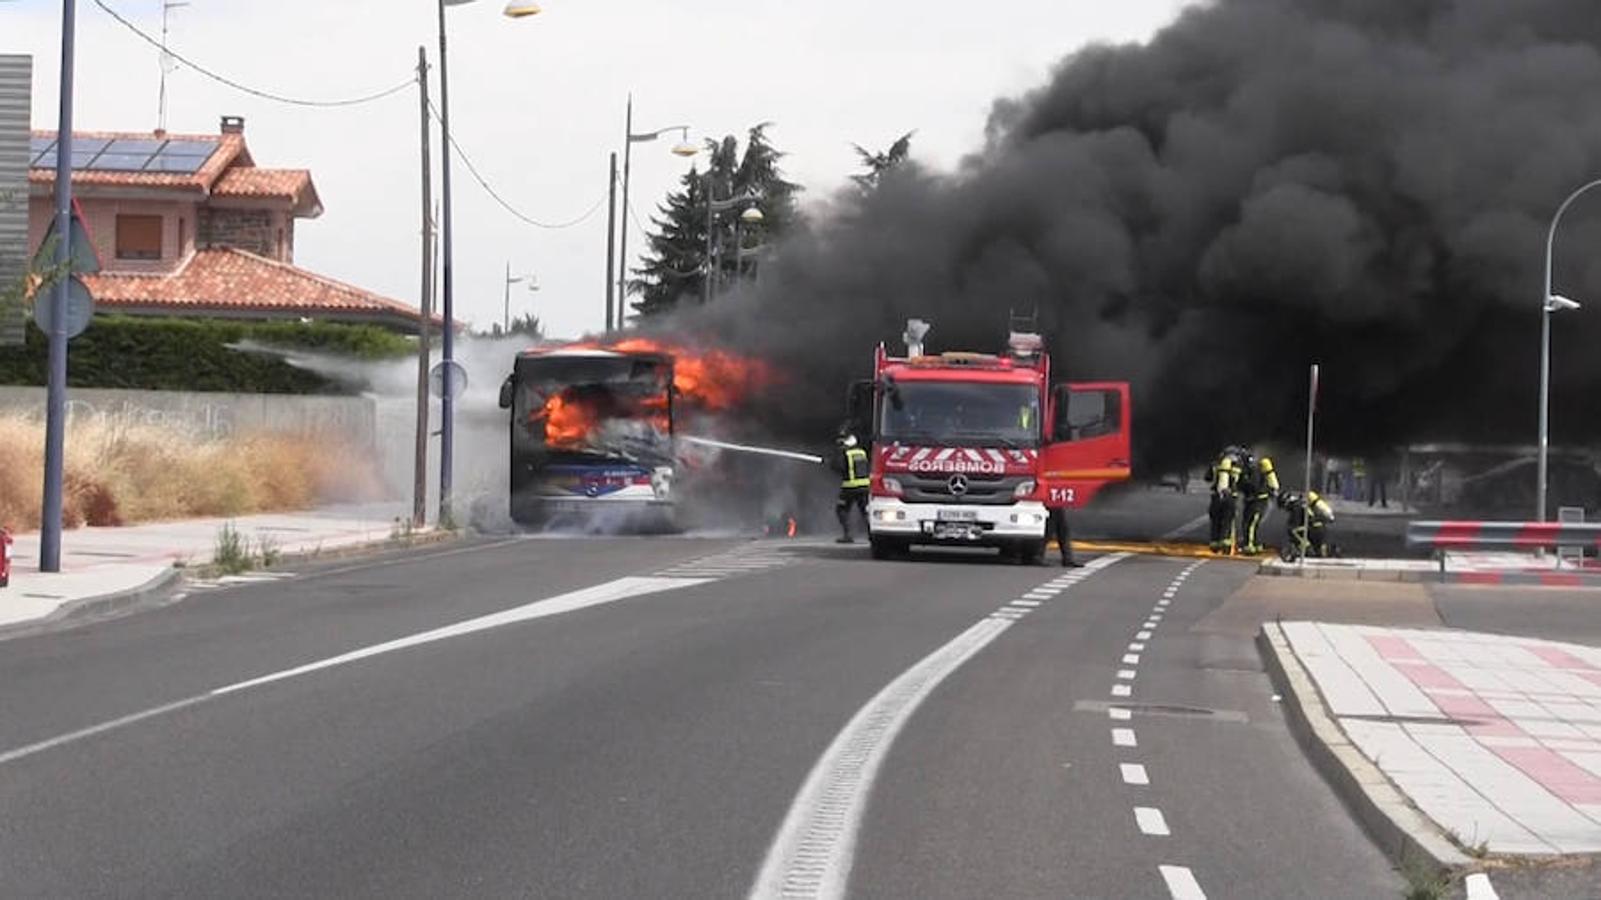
x=539, y=104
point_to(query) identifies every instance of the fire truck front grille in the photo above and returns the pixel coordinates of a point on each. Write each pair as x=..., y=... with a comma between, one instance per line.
x=981, y=490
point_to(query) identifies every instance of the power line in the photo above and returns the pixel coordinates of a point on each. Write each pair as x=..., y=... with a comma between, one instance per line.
x=254, y=92
x=495, y=195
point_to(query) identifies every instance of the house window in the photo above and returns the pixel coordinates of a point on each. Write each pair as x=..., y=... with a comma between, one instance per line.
x=183, y=235
x=139, y=237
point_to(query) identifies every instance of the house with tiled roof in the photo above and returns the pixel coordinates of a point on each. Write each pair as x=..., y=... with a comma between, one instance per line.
x=189, y=225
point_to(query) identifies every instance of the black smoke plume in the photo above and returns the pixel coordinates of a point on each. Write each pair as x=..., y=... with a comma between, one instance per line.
x=1264, y=184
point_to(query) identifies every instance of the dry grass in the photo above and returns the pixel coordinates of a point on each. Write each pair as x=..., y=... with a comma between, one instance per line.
x=121, y=473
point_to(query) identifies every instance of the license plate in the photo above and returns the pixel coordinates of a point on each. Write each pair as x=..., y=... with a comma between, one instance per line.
x=956, y=530
x=956, y=515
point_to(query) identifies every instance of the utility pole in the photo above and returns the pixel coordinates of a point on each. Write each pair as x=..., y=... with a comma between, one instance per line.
x=613, y=298
x=55, y=429
x=419, y=504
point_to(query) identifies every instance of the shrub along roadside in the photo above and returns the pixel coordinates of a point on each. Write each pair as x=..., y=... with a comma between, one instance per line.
x=193, y=355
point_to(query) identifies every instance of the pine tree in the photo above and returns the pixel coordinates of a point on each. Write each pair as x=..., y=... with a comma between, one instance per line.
x=676, y=266
x=878, y=164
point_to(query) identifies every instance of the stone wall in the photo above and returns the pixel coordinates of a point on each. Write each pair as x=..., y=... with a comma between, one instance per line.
x=255, y=230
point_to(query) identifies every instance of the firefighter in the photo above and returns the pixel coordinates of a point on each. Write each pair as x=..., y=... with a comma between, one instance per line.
x=1259, y=486
x=1224, y=476
x=1313, y=534
x=1056, y=525
x=851, y=463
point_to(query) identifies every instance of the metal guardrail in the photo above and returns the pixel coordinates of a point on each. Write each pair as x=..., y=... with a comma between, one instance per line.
x=1442, y=536
x=1502, y=535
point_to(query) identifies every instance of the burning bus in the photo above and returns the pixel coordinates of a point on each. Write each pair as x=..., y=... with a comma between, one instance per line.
x=591, y=437
x=594, y=428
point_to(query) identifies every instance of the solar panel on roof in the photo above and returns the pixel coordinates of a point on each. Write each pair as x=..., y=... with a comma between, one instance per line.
x=111, y=161
x=189, y=148
x=142, y=146
x=90, y=146
x=46, y=160
x=184, y=165
x=38, y=146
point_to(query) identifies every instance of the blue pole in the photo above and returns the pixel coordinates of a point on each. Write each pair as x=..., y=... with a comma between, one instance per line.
x=55, y=430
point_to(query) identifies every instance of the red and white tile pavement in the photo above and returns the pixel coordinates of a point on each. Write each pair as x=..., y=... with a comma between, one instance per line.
x=1496, y=738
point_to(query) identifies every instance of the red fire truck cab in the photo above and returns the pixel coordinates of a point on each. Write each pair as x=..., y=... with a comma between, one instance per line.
x=970, y=449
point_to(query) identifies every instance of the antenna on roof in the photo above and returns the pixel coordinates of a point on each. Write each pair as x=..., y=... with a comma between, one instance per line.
x=168, y=64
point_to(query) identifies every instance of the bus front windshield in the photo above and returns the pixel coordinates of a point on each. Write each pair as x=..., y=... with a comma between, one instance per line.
x=969, y=414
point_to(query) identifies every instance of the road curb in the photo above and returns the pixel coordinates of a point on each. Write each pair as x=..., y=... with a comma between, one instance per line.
x=1398, y=827
x=1432, y=576
x=345, y=551
x=94, y=607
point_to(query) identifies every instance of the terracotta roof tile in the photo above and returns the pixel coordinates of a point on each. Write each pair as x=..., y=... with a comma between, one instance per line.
x=233, y=280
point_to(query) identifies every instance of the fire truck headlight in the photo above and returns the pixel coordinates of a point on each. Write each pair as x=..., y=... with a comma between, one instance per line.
x=893, y=486
x=1025, y=489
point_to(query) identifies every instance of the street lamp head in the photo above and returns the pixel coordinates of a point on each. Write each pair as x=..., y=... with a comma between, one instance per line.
x=752, y=216
x=685, y=148
x=1557, y=303
x=521, y=9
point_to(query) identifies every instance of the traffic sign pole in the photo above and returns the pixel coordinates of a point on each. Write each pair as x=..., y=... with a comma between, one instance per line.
x=55, y=429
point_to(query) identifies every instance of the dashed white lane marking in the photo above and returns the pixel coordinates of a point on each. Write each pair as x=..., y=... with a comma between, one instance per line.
x=1124, y=737
x=1151, y=822
x=1134, y=773
x=812, y=853
x=1143, y=635
x=1028, y=603
x=1181, y=883
x=1131, y=659
x=1122, y=690
x=610, y=592
x=1119, y=714
x=1137, y=646
x=1126, y=674
x=1479, y=887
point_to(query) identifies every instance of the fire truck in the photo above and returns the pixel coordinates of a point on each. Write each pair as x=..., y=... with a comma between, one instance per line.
x=970, y=449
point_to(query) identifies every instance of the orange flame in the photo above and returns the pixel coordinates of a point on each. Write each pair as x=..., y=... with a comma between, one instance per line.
x=712, y=380
x=792, y=527
x=567, y=421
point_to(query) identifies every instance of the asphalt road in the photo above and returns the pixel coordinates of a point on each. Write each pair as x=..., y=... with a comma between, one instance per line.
x=655, y=727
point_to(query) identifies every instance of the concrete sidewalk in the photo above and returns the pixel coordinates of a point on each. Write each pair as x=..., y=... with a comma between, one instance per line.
x=102, y=563
x=1496, y=739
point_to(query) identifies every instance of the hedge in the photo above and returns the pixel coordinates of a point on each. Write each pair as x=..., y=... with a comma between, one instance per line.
x=192, y=355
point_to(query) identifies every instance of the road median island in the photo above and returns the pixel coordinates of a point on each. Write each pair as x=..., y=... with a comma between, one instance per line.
x=1456, y=750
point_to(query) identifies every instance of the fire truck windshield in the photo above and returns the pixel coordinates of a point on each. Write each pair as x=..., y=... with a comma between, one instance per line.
x=967, y=414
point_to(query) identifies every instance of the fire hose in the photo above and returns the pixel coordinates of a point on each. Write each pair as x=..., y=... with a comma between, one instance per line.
x=746, y=448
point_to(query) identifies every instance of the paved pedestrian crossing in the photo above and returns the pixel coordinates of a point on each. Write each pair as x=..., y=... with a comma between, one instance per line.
x=757, y=557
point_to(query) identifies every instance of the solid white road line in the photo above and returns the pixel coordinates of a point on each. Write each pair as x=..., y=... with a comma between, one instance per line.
x=812, y=853
x=1124, y=737
x=1181, y=883
x=1119, y=714
x=610, y=592
x=1479, y=887
x=1134, y=773
x=1122, y=690
x=1151, y=822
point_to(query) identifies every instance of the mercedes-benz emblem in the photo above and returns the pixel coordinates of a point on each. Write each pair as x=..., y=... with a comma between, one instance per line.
x=958, y=485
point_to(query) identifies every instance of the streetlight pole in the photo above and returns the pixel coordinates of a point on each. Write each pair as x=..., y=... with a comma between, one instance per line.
x=629, y=140
x=419, y=511
x=516, y=9
x=611, y=241
x=55, y=433
x=1547, y=309
x=447, y=405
